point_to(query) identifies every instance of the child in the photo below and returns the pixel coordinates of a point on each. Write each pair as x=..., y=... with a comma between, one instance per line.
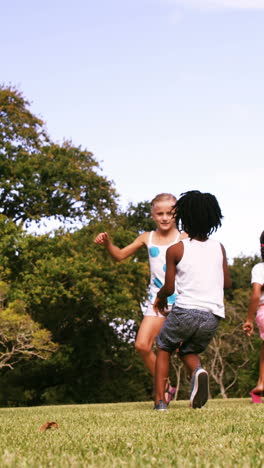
x=157, y=243
x=256, y=305
x=201, y=271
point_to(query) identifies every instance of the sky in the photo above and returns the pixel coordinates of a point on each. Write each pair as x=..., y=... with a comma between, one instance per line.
x=168, y=95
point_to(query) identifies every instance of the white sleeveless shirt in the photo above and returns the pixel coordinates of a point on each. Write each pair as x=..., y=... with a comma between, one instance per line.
x=200, y=277
x=157, y=265
x=257, y=276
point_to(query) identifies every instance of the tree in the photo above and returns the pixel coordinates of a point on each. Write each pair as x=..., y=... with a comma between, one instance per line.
x=139, y=217
x=228, y=353
x=240, y=272
x=20, y=337
x=87, y=301
x=39, y=178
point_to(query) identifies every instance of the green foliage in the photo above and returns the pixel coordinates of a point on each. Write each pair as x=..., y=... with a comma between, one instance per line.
x=39, y=178
x=68, y=286
x=240, y=272
x=72, y=289
x=12, y=240
x=139, y=217
x=19, y=128
x=227, y=353
x=68, y=280
x=21, y=337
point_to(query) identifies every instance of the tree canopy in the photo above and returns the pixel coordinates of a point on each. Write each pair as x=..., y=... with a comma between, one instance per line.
x=40, y=178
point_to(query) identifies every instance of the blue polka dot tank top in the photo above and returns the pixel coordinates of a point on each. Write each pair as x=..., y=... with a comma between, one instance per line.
x=157, y=264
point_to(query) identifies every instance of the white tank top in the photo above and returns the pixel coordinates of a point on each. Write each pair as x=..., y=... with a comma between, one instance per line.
x=200, y=277
x=157, y=265
x=257, y=276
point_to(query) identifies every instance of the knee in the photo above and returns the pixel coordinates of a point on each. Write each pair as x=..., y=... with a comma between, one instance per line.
x=142, y=347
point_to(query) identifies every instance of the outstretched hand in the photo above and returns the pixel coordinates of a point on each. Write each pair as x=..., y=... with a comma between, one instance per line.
x=248, y=327
x=102, y=238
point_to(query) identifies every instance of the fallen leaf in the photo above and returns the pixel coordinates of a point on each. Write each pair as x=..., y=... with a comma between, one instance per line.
x=48, y=425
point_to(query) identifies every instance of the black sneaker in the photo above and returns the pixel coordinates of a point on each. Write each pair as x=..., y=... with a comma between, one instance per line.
x=161, y=406
x=200, y=388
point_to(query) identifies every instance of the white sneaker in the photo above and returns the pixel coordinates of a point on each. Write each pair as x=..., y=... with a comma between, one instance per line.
x=200, y=388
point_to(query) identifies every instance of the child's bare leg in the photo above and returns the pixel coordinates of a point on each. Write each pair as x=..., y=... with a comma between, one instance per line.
x=191, y=361
x=149, y=329
x=260, y=385
x=261, y=367
x=161, y=374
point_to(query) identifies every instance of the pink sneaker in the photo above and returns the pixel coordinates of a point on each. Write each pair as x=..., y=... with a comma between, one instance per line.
x=255, y=398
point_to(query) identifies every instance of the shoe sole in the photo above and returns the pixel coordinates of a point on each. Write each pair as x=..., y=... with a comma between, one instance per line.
x=200, y=391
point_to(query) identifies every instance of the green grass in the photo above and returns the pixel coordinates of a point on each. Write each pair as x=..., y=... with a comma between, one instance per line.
x=223, y=434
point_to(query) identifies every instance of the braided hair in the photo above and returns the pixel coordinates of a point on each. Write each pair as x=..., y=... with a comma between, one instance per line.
x=262, y=245
x=198, y=214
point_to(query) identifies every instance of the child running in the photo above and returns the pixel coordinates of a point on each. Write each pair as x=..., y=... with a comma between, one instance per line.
x=157, y=243
x=201, y=271
x=256, y=306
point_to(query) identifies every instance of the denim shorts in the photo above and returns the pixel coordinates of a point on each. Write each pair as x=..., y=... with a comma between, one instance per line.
x=189, y=330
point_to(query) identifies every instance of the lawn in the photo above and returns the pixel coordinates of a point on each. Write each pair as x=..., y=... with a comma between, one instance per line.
x=224, y=433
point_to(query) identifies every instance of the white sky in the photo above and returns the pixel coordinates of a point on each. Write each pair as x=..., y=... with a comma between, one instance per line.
x=167, y=94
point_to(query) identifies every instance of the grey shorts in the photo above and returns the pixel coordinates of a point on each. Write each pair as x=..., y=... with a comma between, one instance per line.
x=190, y=330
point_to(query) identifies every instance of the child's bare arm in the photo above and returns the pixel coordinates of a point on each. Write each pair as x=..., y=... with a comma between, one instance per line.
x=248, y=326
x=227, y=279
x=117, y=253
x=173, y=256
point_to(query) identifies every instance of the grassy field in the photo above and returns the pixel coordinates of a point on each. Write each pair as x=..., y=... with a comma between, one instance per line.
x=223, y=434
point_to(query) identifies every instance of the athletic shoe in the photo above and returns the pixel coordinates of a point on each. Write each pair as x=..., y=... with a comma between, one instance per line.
x=161, y=406
x=255, y=397
x=200, y=388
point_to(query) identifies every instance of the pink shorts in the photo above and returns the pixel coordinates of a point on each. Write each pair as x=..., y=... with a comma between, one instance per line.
x=260, y=321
